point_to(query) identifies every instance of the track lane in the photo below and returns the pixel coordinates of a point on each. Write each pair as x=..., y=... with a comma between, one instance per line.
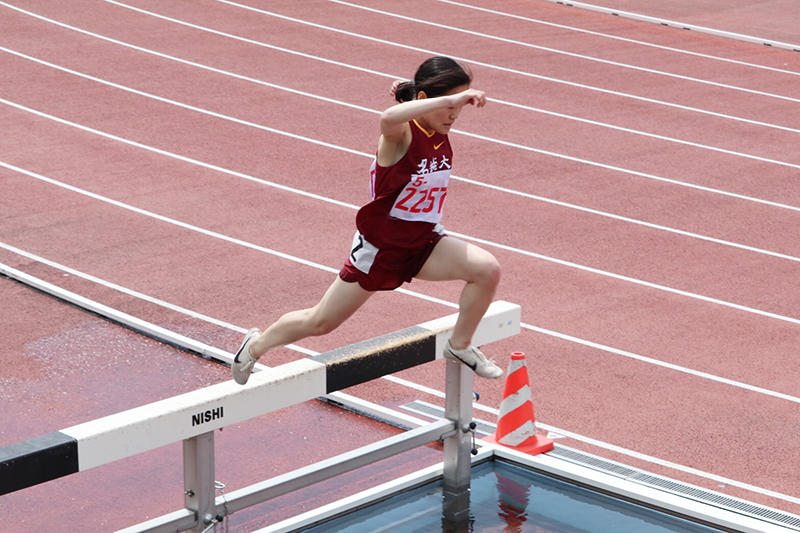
x=506, y=261
x=572, y=69
x=647, y=381
x=769, y=233
x=204, y=128
x=244, y=38
x=160, y=128
x=207, y=192
x=586, y=49
x=536, y=378
x=539, y=384
x=102, y=368
x=681, y=159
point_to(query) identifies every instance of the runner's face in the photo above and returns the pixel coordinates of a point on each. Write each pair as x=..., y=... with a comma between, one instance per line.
x=441, y=120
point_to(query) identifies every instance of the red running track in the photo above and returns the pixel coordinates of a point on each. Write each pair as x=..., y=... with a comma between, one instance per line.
x=642, y=201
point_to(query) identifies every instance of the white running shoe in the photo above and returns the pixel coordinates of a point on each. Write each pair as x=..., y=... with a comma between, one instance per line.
x=243, y=362
x=474, y=358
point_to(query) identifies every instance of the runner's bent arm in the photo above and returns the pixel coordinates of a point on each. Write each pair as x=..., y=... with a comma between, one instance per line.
x=395, y=133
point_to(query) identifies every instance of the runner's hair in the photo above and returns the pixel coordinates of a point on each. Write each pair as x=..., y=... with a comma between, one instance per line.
x=435, y=76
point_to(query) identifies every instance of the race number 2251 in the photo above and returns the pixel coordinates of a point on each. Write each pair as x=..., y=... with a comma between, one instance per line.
x=416, y=200
x=422, y=198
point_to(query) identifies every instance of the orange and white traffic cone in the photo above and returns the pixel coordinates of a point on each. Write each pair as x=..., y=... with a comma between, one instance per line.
x=516, y=425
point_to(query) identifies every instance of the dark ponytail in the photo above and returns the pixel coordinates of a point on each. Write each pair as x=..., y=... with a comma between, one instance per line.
x=405, y=92
x=436, y=76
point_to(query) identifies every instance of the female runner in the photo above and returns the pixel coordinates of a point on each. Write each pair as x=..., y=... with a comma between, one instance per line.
x=398, y=233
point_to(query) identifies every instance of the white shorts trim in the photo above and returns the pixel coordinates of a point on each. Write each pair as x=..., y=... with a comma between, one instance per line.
x=362, y=253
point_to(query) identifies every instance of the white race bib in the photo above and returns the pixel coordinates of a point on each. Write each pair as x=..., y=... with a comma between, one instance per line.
x=422, y=199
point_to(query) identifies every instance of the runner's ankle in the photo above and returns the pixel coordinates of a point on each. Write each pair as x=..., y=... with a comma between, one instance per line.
x=254, y=356
x=458, y=345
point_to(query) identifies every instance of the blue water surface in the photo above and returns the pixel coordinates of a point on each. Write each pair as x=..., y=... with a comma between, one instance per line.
x=511, y=499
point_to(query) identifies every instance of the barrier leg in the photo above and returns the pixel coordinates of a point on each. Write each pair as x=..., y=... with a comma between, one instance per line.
x=198, y=479
x=457, y=447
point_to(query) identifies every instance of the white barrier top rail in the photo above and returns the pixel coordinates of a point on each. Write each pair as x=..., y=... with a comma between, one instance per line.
x=150, y=426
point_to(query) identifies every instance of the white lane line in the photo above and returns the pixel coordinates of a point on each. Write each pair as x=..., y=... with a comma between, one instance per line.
x=352, y=206
x=502, y=102
x=721, y=478
x=331, y=270
x=374, y=111
x=289, y=257
x=657, y=362
x=488, y=139
x=575, y=29
x=602, y=444
x=370, y=156
x=460, y=58
x=393, y=77
x=162, y=218
x=487, y=65
x=565, y=53
x=498, y=188
x=615, y=168
x=395, y=379
x=135, y=294
x=568, y=338
x=373, y=72
x=641, y=133
x=628, y=279
x=119, y=288
x=197, y=162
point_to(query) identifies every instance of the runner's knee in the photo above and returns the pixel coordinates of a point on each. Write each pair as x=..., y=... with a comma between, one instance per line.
x=487, y=271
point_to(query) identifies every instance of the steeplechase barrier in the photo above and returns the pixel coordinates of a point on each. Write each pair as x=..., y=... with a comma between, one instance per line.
x=70, y=450
x=194, y=416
